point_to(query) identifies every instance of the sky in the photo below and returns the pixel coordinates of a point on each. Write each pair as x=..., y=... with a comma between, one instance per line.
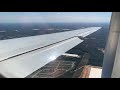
x=55, y=17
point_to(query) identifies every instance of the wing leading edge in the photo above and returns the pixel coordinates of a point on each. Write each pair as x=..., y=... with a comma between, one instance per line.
x=22, y=56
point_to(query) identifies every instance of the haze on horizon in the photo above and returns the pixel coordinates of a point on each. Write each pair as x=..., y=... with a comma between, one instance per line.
x=55, y=17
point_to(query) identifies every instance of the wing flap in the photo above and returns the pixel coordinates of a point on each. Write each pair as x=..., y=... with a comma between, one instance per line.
x=23, y=65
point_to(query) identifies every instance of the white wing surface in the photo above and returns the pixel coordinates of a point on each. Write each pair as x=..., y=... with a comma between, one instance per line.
x=22, y=56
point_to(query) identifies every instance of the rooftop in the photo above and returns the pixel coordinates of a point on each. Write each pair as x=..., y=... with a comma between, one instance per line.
x=95, y=72
x=91, y=72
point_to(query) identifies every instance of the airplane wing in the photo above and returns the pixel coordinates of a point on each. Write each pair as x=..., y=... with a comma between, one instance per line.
x=22, y=56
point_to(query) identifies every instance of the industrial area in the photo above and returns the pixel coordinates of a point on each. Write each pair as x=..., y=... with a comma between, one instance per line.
x=68, y=66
